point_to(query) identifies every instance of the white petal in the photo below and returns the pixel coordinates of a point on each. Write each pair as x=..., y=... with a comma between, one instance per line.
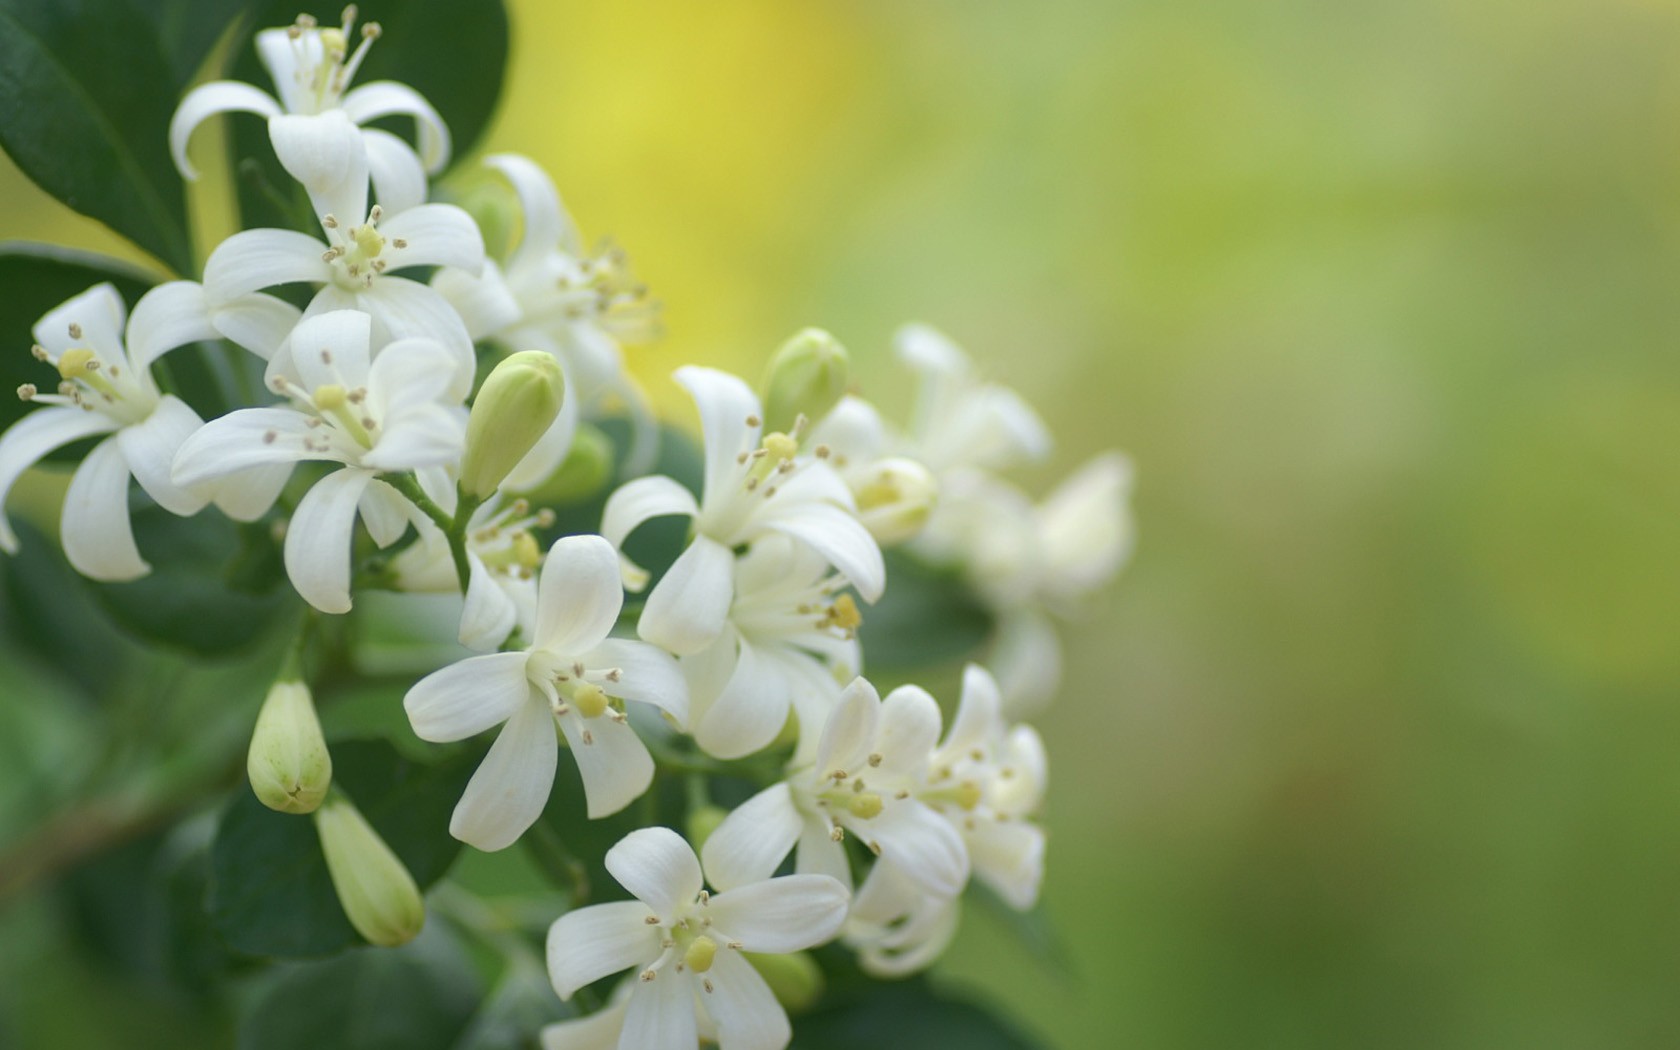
x=750, y=711
x=658, y=868
x=850, y=732
x=1027, y=656
x=205, y=101
x=324, y=152
x=333, y=348
x=579, y=595
x=928, y=350
x=484, y=302
x=149, y=448
x=725, y=404
x=840, y=538
x=98, y=313
x=257, y=259
x=1009, y=857
x=1085, y=526
x=788, y=914
x=384, y=98
x=635, y=502
x=907, y=732
x=409, y=309
x=979, y=720
x=753, y=840
x=384, y=512
x=597, y=1031
x=747, y=1014
x=614, y=763
x=853, y=429
x=819, y=854
x=651, y=676
x=511, y=786
x=466, y=698
x=248, y=494
x=236, y=442
x=317, y=550
x=690, y=604
x=32, y=437
x=97, y=536
x=166, y=317
x=428, y=435
x=489, y=614
x=285, y=58
x=921, y=844
x=547, y=226
x=661, y=1014
x=257, y=322
x=399, y=180
x=437, y=235
x=587, y=944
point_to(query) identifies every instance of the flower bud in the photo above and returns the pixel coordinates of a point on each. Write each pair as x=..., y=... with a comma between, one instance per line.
x=795, y=978
x=377, y=893
x=807, y=376
x=586, y=470
x=288, y=763
x=894, y=498
x=515, y=406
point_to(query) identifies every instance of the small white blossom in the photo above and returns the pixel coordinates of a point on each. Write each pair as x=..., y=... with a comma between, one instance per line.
x=573, y=674
x=896, y=927
x=686, y=946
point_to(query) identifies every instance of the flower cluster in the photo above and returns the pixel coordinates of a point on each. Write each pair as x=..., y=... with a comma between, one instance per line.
x=430, y=392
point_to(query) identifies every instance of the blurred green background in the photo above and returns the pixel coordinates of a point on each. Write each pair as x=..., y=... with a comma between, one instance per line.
x=1375, y=743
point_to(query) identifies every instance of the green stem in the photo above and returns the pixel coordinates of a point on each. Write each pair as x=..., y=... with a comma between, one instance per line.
x=454, y=528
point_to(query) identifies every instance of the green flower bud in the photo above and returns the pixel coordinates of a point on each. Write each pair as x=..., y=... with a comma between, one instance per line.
x=288, y=763
x=377, y=893
x=807, y=376
x=586, y=470
x=702, y=822
x=515, y=406
x=894, y=498
x=795, y=979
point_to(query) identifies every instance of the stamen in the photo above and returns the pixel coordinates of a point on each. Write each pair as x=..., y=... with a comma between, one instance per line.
x=27, y=392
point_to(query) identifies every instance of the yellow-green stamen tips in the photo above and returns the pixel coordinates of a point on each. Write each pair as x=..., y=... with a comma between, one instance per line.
x=526, y=553
x=700, y=954
x=781, y=447
x=806, y=377
x=865, y=805
x=77, y=364
x=369, y=241
x=590, y=700
x=331, y=397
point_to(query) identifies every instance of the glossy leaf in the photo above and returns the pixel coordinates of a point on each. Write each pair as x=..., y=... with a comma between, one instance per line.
x=926, y=618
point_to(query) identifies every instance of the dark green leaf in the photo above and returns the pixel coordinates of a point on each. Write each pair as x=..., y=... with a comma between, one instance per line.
x=189, y=29
x=905, y=1013
x=270, y=893
x=926, y=618
x=515, y=1012
x=85, y=102
x=52, y=617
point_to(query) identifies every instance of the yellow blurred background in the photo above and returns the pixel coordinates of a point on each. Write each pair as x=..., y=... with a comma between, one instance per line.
x=1375, y=744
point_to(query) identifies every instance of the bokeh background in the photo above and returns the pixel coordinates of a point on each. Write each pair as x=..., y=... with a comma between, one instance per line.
x=1375, y=743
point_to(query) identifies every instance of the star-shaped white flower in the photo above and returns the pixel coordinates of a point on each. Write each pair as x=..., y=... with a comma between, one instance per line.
x=572, y=673
x=106, y=387
x=753, y=487
x=390, y=414
x=897, y=927
x=687, y=944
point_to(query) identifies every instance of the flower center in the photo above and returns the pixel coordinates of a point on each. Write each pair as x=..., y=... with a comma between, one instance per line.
x=358, y=254
x=325, y=63
x=91, y=385
x=575, y=691
x=604, y=289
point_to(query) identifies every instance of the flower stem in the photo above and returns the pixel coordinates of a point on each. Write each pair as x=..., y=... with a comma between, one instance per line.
x=454, y=528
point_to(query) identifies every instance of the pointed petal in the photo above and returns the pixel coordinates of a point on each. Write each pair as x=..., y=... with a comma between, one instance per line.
x=324, y=152
x=97, y=312
x=853, y=429
x=725, y=404
x=746, y=1012
x=30, y=439
x=399, y=180
x=95, y=531
x=587, y=944
x=658, y=868
x=1026, y=655
x=149, y=448
x=819, y=854
x=614, y=763
x=850, y=732
x=635, y=502
x=317, y=550
x=168, y=316
x=907, y=732
x=788, y=914
x=750, y=711
x=690, y=604
x=237, y=442
x=484, y=302
x=333, y=348
x=205, y=101
x=597, y=1031
x=257, y=322
x=753, y=840
x=384, y=512
x=436, y=235
x=257, y=259
x=409, y=309
x=840, y=538
x=489, y=614
x=661, y=1014
x=921, y=844
x=979, y=718
x=511, y=786
x=547, y=226
x=579, y=595
x=283, y=57
x=384, y=98
x=466, y=698
x=651, y=676
x=1009, y=857
x=248, y=494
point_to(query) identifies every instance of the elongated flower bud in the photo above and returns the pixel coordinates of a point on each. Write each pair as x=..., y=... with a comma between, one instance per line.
x=515, y=406
x=807, y=376
x=288, y=763
x=794, y=978
x=894, y=499
x=377, y=893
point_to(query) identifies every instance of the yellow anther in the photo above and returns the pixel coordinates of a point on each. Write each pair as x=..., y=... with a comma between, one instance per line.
x=781, y=447
x=844, y=613
x=590, y=700
x=968, y=794
x=700, y=954
x=525, y=550
x=76, y=364
x=331, y=397
x=866, y=805
x=333, y=40
x=368, y=241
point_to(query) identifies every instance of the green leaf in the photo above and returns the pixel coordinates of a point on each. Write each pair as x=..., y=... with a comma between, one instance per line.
x=36, y=278
x=926, y=618
x=85, y=102
x=270, y=893
x=905, y=1013
x=417, y=997
x=50, y=615
x=188, y=31
x=522, y=1003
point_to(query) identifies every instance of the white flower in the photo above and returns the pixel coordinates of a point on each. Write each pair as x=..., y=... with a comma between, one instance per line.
x=752, y=488
x=960, y=420
x=896, y=927
x=790, y=633
x=554, y=296
x=351, y=265
x=869, y=778
x=573, y=674
x=391, y=414
x=687, y=944
x=312, y=68
x=106, y=387
x=895, y=494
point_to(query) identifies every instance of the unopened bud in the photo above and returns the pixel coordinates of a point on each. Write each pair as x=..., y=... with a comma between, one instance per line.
x=702, y=822
x=807, y=376
x=516, y=405
x=795, y=978
x=288, y=763
x=377, y=893
x=894, y=498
